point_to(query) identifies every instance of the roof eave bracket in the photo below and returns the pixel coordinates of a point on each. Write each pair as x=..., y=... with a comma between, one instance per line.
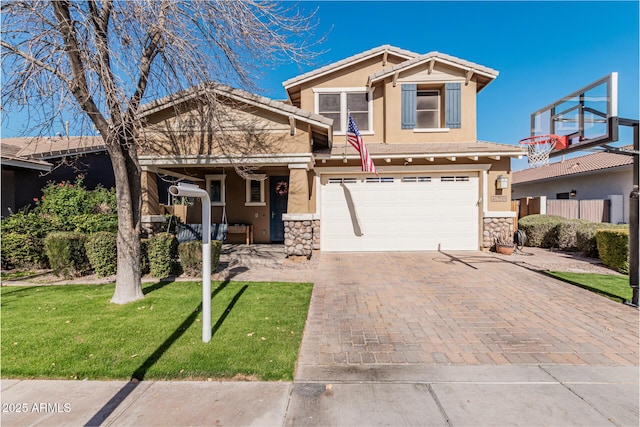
x=468, y=76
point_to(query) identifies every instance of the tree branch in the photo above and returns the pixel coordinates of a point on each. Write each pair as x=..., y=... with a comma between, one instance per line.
x=36, y=61
x=78, y=86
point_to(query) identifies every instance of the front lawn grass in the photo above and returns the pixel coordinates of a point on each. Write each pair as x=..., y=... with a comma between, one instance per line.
x=74, y=332
x=612, y=286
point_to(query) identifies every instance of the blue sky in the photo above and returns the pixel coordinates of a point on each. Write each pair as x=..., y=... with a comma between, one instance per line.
x=543, y=50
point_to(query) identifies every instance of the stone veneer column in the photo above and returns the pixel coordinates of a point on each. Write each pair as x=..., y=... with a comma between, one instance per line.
x=301, y=234
x=491, y=226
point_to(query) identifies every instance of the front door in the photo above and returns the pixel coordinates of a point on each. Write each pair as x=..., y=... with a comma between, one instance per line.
x=278, y=196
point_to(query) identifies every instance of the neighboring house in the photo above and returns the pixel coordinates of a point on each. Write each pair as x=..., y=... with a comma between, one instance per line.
x=29, y=163
x=285, y=167
x=592, y=176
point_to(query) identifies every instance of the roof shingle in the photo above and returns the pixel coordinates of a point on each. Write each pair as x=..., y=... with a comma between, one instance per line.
x=576, y=165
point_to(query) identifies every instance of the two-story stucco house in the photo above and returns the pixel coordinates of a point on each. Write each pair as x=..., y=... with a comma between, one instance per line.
x=298, y=180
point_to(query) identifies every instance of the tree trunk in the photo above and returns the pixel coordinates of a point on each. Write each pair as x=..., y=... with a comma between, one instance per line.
x=128, y=191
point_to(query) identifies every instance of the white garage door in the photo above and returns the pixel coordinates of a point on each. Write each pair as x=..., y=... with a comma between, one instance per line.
x=400, y=213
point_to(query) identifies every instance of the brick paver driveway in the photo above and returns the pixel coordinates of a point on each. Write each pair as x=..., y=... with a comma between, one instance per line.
x=459, y=308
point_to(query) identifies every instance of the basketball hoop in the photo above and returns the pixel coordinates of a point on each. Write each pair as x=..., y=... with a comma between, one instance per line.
x=540, y=146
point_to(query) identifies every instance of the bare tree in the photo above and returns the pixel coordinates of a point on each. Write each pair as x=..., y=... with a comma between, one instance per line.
x=97, y=62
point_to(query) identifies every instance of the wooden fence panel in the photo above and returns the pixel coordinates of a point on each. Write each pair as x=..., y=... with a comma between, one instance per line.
x=594, y=210
x=569, y=209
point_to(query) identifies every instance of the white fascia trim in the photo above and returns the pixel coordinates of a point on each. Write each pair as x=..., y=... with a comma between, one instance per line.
x=209, y=161
x=73, y=152
x=431, y=130
x=500, y=214
x=337, y=170
x=26, y=164
x=416, y=156
x=338, y=68
x=437, y=59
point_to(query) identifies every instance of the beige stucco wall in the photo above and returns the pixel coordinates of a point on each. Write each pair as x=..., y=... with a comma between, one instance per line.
x=499, y=200
x=250, y=131
x=387, y=100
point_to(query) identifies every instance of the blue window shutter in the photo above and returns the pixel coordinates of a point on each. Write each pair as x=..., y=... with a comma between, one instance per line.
x=453, y=105
x=409, y=106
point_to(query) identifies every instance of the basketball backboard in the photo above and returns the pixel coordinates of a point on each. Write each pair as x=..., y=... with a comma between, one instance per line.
x=585, y=118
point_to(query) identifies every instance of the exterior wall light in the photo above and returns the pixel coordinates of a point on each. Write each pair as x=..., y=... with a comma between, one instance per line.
x=502, y=182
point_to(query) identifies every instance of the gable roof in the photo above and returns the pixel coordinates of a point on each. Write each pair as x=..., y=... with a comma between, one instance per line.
x=240, y=95
x=362, y=56
x=489, y=74
x=575, y=166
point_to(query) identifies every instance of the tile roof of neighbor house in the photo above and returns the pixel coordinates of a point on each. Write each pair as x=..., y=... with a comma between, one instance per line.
x=50, y=147
x=348, y=61
x=435, y=149
x=437, y=56
x=577, y=165
x=238, y=95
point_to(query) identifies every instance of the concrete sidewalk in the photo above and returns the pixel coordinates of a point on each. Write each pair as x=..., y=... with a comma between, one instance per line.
x=358, y=396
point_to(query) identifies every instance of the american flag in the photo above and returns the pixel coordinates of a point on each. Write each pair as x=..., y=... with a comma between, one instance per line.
x=355, y=139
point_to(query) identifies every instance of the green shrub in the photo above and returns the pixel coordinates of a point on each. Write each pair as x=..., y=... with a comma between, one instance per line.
x=586, y=236
x=30, y=223
x=541, y=230
x=102, y=253
x=66, y=253
x=613, y=247
x=93, y=223
x=144, y=256
x=65, y=201
x=22, y=251
x=567, y=234
x=163, y=255
x=191, y=256
x=102, y=201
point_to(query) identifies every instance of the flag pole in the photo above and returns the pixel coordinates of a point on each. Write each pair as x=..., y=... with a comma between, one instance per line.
x=346, y=139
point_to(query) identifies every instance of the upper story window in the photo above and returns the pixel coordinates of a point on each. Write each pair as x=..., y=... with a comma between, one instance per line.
x=428, y=109
x=431, y=107
x=336, y=103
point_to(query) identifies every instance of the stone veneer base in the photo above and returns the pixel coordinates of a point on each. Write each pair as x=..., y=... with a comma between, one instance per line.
x=493, y=226
x=301, y=234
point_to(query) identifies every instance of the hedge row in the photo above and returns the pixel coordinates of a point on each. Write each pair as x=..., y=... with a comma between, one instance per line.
x=613, y=246
x=71, y=254
x=550, y=231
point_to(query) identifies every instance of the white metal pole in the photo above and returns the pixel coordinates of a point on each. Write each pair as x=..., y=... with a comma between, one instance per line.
x=190, y=190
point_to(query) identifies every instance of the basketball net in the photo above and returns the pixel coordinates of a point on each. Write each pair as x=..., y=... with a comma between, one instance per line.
x=539, y=147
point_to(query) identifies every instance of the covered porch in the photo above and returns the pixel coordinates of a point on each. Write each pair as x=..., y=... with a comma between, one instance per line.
x=268, y=200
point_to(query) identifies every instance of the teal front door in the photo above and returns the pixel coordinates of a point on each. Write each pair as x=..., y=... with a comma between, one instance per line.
x=278, y=196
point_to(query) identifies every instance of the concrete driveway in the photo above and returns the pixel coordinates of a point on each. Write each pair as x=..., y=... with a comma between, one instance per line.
x=456, y=308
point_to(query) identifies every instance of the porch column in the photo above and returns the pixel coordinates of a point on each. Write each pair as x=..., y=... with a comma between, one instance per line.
x=152, y=218
x=298, y=200
x=301, y=227
x=150, y=199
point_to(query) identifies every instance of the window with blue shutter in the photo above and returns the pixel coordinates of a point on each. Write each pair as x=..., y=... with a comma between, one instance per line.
x=409, y=106
x=453, y=108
